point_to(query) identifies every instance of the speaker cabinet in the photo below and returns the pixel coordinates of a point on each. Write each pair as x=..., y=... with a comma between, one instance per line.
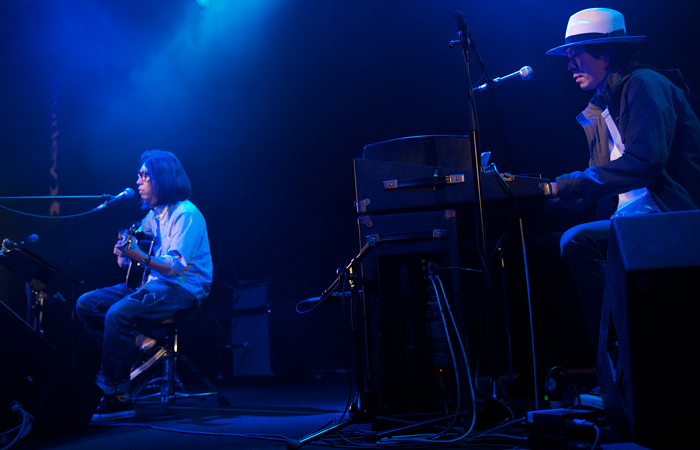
x=256, y=350
x=59, y=396
x=250, y=334
x=649, y=333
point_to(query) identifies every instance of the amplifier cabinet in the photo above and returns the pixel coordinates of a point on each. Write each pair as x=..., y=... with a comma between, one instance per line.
x=272, y=342
x=409, y=365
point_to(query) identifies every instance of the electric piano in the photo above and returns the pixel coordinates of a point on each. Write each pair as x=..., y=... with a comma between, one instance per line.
x=383, y=187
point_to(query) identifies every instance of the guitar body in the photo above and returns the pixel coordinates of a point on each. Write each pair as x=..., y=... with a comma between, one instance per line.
x=136, y=274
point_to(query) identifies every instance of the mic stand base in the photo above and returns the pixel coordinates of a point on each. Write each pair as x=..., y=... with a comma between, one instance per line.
x=363, y=410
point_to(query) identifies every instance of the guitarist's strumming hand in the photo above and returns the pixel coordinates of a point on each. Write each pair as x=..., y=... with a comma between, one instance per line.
x=122, y=262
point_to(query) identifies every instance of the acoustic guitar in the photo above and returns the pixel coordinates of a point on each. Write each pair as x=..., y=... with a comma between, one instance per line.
x=137, y=273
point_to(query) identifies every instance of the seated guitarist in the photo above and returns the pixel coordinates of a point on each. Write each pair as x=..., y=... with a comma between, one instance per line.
x=180, y=276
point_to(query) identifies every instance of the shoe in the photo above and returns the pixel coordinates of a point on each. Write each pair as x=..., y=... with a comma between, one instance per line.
x=146, y=344
x=111, y=407
x=592, y=400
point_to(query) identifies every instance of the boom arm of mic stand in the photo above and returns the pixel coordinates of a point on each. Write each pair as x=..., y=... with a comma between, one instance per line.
x=357, y=258
x=57, y=197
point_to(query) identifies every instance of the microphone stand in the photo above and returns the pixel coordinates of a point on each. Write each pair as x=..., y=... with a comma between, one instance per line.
x=495, y=389
x=363, y=408
x=31, y=267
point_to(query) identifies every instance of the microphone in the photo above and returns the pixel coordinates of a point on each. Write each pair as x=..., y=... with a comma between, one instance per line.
x=524, y=74
x=128, y=193
x=347, y=294
x=30, y=238
x=461, y=24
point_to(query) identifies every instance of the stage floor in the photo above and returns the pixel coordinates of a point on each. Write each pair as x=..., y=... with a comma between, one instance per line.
x=263, y=416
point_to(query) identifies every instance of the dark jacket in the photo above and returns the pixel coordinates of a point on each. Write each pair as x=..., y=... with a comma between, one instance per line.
x=661, y=135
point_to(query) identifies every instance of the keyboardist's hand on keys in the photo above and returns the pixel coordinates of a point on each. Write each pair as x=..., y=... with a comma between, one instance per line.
x=549, y=189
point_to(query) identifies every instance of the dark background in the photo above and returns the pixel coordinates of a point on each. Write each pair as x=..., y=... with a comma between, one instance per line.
x=266, y=103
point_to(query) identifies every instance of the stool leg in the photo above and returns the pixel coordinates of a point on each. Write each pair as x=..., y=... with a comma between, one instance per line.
x=170, y=377
x=221, y=399
x=166, y=386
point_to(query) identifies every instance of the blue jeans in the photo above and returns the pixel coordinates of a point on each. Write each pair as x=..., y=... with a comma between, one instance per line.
x=120, y=312
x=584, y=249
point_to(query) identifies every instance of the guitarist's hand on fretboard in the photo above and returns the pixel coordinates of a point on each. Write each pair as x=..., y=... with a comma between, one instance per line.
x=128, y=248
x=122, y=261
x=130, y=251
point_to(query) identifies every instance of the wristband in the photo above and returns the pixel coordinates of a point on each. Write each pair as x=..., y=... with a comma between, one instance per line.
x=146, y=261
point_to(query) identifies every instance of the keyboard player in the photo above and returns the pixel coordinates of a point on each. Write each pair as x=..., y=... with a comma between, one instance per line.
x=644, y=142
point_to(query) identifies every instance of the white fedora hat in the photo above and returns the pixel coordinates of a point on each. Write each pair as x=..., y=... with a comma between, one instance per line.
x=595, y=26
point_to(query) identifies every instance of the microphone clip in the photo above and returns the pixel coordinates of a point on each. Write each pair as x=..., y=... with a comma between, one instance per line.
x=464, y=34
x=16, y=242
x=127, y=193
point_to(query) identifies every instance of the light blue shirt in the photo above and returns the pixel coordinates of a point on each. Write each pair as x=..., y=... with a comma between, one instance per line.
x=180, y=233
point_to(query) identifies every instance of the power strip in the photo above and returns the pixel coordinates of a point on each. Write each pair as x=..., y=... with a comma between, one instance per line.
x=561, y=429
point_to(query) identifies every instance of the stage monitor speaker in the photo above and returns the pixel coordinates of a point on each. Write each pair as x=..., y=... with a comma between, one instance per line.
x=35, y=375
x=647, y=349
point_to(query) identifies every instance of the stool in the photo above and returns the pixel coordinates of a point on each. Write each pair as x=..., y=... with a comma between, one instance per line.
x=168, y=356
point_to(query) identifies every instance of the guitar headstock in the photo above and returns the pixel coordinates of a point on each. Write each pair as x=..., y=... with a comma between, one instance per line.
x=132, y=229
x=127, y=236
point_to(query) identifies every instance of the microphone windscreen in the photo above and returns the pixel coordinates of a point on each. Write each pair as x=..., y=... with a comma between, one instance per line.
x=526, y=73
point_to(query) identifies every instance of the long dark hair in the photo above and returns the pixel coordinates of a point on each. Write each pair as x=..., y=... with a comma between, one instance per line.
x=167, y=177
